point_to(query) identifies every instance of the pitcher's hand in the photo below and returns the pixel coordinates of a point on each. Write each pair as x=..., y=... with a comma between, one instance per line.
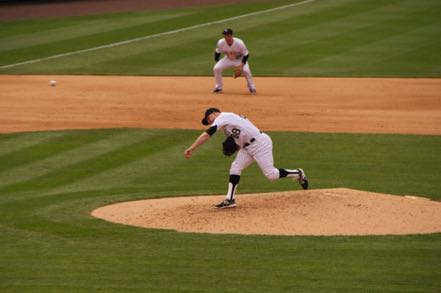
x=188, y=153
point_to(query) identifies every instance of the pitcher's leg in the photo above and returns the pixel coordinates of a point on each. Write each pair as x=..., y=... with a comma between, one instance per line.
x=266, y=164
x=240, y=163
x=264, y=157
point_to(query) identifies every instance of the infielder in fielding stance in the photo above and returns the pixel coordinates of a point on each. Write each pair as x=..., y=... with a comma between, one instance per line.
x=235, y=56
x=253, y=146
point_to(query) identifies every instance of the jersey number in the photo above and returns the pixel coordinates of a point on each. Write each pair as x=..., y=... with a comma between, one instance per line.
x=235, y=132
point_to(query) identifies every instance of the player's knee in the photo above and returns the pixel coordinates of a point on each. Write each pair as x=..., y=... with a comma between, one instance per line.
x=235, y=169
x=272, y=174
x=217, y=69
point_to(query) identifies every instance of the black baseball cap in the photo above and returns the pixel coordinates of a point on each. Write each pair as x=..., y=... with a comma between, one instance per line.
x=227, y=31
x=207, y=113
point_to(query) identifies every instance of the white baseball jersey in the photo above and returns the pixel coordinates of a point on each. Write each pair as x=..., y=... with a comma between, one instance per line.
x=234, y=52
x=242, y=130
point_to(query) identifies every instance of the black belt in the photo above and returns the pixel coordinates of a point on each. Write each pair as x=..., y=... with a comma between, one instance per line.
x=250, y=142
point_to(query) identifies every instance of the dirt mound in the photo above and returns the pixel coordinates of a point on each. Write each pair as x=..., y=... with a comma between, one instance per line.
x=313, y=212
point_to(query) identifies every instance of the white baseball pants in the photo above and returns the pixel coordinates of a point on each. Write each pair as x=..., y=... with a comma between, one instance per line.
x=225, y=63
x=261, y=151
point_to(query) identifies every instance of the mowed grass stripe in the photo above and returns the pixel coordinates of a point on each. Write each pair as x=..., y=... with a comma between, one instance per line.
x=408, y=57
x=10, y=143
x=65, y=43
x=162, y=55
x=45, y=149
x=85, y=42
x=343, y=40
x=158, y=55
x=94, y=143
x=92, y=166
x=187, y=45
x=80, y=41
x=424, y=41
x=313, y=26
x=397, y=26
x=78, y=28
x=97, y=21
x=309, y=30
x=139, y=174
x=198, y=16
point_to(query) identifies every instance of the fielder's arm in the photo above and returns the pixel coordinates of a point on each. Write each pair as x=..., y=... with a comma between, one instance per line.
x=245, y=59
x=198, y=142
x=216, y=56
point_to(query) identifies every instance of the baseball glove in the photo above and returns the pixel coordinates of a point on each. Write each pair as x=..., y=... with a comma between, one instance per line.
x=237, y=71
x=229, y=146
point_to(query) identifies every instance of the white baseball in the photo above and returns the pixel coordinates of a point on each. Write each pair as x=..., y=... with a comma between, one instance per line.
x=53, y=82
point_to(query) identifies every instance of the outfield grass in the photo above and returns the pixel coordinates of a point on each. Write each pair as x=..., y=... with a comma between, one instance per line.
x=320, y=38
x=50, y=181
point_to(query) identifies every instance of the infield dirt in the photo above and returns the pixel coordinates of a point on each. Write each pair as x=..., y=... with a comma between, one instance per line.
x=356, y=105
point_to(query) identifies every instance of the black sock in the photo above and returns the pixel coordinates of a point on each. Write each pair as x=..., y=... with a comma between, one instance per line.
x=286, y=173
x=232, y=185
x=234, y=179
x=283, y=173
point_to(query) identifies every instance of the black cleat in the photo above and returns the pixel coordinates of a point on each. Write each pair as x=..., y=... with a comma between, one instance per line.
x=302, y=179
x=217, y=91
x=226, y=204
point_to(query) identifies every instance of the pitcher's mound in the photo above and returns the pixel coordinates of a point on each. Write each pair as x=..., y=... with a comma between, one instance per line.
x=314, y=212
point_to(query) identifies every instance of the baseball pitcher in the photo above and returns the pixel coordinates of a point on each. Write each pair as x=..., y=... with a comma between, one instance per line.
x=252, y=145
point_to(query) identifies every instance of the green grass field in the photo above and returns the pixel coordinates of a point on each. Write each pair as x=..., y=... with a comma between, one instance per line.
x=50, y=181
x=321, y=38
